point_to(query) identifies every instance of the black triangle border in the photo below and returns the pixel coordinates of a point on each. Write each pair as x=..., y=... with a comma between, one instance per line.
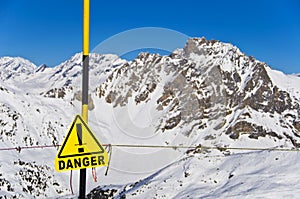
x=68, y=135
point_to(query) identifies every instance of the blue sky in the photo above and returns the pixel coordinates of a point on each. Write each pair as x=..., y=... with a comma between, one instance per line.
x=50, y=31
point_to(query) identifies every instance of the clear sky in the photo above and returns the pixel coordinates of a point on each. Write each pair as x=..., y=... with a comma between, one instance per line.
x=50, y=31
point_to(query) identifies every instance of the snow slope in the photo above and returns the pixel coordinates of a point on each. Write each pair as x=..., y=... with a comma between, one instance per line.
x=241, y=175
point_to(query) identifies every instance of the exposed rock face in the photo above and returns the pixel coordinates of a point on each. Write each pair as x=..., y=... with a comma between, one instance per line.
x=78, y=96
x=56, y=93
x=206, y=81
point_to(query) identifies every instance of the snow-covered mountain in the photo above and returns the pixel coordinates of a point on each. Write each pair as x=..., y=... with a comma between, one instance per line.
x=12, y=67
x=210, y=85
x=208, y=93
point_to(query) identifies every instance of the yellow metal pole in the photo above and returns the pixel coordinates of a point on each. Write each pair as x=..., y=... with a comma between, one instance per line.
x=85, y=58
x=85, y=82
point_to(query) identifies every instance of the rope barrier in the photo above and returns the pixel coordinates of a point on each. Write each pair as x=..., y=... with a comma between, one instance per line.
x=109, y=158
x=19, y=148
x=71, y=180
x=110, y=146
x=206, y=147
x=94, y=174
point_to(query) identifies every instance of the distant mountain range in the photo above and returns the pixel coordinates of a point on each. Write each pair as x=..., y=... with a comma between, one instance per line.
x=207, y=93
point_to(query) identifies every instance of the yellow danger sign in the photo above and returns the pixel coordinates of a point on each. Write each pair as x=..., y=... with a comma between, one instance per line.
x=80, y=149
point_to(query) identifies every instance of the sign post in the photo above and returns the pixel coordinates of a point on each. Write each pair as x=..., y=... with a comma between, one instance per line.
x=85, y=82
x=81, y=149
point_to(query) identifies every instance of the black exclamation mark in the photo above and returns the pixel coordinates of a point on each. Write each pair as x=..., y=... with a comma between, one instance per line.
x=79, y=136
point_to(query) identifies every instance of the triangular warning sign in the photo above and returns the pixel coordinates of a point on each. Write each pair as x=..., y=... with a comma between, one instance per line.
x=80, y=149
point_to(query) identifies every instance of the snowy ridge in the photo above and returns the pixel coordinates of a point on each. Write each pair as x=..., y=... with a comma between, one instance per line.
x=15, y=66
x=208, y=93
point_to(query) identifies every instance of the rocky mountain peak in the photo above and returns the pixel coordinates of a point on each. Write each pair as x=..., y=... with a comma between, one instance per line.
x=42, y=68
x=207, y=85
x=201, y=46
